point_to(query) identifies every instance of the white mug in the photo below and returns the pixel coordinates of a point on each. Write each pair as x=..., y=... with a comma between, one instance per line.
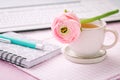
x=91, y=40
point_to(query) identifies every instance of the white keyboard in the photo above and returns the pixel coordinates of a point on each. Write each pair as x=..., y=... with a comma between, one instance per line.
x=40, y=17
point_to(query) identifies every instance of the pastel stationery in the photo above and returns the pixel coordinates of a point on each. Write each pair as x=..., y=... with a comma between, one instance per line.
x=21, y=42
x=24, y=56
x=61, y=69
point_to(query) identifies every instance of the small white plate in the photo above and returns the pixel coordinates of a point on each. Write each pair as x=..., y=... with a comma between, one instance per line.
x=70, y=55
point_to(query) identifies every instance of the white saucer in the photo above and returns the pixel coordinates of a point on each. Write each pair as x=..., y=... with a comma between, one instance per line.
x=69, y=54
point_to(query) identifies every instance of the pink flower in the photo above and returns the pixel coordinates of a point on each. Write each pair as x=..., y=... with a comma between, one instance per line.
x=66, y=27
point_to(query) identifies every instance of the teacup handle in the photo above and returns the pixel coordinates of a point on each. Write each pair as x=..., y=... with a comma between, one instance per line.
x=115, y=40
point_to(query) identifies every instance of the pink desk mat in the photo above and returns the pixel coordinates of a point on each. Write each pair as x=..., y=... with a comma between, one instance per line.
x=115, y=26
x=9, y=72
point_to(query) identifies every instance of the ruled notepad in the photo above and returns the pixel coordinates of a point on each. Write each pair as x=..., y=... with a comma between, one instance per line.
x=61, y=69
x=24, y=56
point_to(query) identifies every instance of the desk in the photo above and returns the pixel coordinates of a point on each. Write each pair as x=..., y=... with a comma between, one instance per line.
x=9, y=72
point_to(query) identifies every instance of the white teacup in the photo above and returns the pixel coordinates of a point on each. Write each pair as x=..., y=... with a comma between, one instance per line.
x=91, y=40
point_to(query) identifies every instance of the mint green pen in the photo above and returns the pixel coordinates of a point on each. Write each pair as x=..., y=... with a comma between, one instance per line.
x=22, y=42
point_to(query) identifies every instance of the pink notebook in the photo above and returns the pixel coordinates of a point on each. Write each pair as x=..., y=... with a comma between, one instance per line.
x=59, y=68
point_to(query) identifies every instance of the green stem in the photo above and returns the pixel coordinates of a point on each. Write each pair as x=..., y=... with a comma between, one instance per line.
x=98, y=17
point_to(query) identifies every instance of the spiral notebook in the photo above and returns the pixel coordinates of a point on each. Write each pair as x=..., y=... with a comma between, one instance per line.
x=24, y=56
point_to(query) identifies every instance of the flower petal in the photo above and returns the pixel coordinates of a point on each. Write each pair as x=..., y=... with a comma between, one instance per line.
x=71, y=15
x=66, y=27
x=72, y=34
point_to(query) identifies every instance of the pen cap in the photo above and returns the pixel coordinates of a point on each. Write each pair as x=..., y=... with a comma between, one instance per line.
x=39, y=46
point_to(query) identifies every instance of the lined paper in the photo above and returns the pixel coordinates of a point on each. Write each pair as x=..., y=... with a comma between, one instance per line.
x=60, y=68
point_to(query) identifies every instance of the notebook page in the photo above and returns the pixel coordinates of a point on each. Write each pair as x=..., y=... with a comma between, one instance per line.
x=59, y=68
x=29, y=53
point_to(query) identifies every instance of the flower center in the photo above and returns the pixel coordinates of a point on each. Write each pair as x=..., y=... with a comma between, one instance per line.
x=64, y=29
